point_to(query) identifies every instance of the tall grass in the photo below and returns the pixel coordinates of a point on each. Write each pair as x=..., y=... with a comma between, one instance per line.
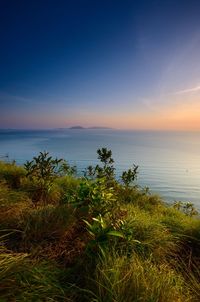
x=154, y=239
x=123, y=279
x=40, y=194
x=45, y=223
x=12, y=174
x=26, y=280
x=12, y=204
x=82, y=240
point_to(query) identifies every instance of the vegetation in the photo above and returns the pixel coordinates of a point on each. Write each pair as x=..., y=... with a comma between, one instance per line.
x=93, y=238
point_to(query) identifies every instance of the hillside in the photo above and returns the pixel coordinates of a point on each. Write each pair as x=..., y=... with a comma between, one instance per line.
x=92, y=238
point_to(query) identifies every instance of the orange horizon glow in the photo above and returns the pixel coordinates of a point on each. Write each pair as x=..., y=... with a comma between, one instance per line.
x=179, y=112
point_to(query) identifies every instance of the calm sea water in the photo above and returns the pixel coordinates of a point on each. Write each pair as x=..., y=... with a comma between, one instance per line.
x=169, y=162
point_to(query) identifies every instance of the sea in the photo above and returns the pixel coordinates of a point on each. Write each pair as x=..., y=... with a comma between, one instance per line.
x=169, y=162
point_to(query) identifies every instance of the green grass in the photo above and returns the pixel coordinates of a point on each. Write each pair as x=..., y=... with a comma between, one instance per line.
x=140, y=250
x=45, y=223
x=120, y=279
x=12, y=174
x=154, y=238
x=23, y=279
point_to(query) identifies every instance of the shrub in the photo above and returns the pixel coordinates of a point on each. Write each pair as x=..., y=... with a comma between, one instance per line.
x=128, y=177
x=106, y=170
x=42, y=171
x=93, y=195
x=101, y=231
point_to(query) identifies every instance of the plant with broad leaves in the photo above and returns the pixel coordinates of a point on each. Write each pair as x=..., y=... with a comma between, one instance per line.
x=42, y=166
x=100, y=232
x=42, y=171
x=95, y=195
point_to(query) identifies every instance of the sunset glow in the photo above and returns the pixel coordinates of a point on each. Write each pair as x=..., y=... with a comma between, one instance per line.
x=121, y=64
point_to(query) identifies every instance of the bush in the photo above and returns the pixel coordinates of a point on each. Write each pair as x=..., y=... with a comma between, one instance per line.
x=128, y=177
x=94, y=196
x=42, y=171
x=105, y=170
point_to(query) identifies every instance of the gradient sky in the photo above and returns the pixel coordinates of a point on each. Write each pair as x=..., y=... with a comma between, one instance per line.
x=124, y=64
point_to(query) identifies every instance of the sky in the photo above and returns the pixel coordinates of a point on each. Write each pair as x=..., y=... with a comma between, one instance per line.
x=116, y=63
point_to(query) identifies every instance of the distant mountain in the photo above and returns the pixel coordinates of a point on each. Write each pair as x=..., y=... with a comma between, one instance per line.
x=95, y=127
x=77, y=127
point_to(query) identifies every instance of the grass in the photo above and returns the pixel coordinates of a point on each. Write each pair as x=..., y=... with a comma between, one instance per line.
x=154, y=238
x=23, y=279
x=46, y=223
x=99, y=241
x=135, y=279
x=12, y=174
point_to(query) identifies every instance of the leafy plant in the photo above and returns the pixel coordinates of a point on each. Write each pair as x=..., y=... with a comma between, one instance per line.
x=90, y=172
x=186, y=207
x=93, y=195
x=128, y=177
x=105, y=170
x=43, y=166
x=42, y=171
x=66, y=169
x=105, y=156
x=101, y=231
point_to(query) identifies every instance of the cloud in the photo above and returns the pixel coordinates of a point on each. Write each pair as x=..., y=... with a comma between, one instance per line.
x=194, y=89
x=9, y=98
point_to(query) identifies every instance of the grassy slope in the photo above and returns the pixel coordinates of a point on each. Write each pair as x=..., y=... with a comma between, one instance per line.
x=48, y=252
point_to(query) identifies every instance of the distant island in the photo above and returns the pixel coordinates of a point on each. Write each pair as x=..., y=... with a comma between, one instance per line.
x=95, y=127
x=76, y=127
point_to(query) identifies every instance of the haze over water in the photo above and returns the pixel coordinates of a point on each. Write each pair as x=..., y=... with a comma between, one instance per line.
x=169, y=162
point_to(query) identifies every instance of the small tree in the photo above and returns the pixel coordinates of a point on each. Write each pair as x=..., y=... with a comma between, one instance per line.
x=42, y=170
x=102, y=171
x=105, y=156
x=128, y=177
x=43, y=166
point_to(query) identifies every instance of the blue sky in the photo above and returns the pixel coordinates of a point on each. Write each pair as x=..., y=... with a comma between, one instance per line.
x=124, y=64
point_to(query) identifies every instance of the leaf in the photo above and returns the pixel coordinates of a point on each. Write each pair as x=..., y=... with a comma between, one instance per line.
x=115, y=233
x=136, y=241
x=87, y=223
